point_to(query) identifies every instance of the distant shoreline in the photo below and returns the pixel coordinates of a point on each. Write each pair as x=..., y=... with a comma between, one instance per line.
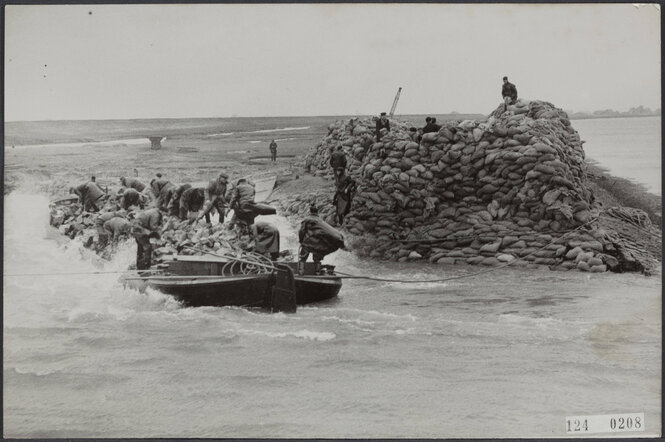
x=447, y=116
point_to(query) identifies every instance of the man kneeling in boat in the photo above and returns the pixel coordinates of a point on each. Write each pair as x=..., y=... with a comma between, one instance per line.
x=318, y=238
x=144, y=228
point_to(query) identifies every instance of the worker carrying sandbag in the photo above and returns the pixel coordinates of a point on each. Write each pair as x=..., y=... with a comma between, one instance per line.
x=215, y=196
x=242, y=202
x=318, y=238
x=266, y=239
x=131, y=197
x=132, y=183
x=144, y=228
x=174, y=205
x=345, y=190
x=90, y=196
x=100, y=221
x=191, y=200
x=162, y=189
x=338, y=158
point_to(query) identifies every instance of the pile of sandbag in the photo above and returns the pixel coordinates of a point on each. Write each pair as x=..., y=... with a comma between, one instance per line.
x=176, y=236
x=481, y=192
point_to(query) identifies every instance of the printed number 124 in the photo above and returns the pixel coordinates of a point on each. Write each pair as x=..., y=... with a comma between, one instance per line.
x=576, y=425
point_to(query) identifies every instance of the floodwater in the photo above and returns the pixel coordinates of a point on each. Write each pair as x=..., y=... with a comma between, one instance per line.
x=627, y=147
x=502, y=354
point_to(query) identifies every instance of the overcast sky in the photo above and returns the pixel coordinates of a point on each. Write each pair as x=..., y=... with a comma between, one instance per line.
x=157, y=61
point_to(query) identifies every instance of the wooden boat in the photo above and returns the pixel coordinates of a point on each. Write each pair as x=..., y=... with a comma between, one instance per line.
x=211, y=281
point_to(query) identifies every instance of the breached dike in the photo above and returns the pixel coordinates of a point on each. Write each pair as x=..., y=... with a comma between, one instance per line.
x=511, y=188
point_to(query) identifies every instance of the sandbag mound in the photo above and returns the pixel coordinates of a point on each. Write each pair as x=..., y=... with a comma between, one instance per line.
x=176, y=236
x=483, y=192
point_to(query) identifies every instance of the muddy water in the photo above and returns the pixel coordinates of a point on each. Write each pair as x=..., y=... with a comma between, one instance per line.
x=502, y=354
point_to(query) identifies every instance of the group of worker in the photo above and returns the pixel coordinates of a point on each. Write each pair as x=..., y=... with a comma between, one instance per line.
x=138, y=210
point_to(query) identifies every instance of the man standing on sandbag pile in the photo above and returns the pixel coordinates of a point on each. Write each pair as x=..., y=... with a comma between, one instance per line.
x=191, y=200
x=132, y=183
x=508, y=92
x=318, y=238
x=338, y=159
x=215, y=194
x=382, y=123
x=345, y=189
x=90, y=196
x=273, y=151
x=266, y=239
x=162, y=189
x=242, y=202
x=174, y=204
x=144, y=228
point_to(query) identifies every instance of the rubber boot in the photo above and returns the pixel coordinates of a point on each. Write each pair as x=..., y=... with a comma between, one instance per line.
x=301, y=267
x=317, y=267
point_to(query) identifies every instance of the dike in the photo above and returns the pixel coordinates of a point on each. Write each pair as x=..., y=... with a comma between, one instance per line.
x=511, y=188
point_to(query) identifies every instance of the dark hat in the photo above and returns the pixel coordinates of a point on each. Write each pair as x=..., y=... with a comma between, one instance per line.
x=159, y=175
x=428, y=119
x=505, y=78
x=241, y=180
x=383, y=114
x=313, y=209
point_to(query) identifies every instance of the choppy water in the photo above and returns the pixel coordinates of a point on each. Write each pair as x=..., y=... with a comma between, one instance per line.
x=506, y=354
x=627, y=147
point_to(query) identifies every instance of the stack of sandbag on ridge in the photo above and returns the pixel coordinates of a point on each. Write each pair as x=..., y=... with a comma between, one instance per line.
x=481, y=192
x=177, y=236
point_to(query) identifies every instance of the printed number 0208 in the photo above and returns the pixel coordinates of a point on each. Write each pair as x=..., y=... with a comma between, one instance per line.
x=625, y=423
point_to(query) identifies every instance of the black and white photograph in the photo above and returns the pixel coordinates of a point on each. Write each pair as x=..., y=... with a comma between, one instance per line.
x=332, y=220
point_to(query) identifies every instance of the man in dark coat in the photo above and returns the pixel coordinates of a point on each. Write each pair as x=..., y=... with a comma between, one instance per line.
x=102, y=234
x=508, y=92
x=266, y=239
x=338, y=158
x=132, y=183
x=174, y=204
x=90, y=196
x=273, y=150
x=162, y=189
x=132, y=197
x=318, y=238
x=382, y=123
x=242, y=202
x=215, y=196
x=345, y=189
x=145, y=227
x=191, y=200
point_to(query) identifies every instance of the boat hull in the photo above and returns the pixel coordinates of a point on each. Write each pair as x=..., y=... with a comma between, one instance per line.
x=204, y=282
x=245, y=291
